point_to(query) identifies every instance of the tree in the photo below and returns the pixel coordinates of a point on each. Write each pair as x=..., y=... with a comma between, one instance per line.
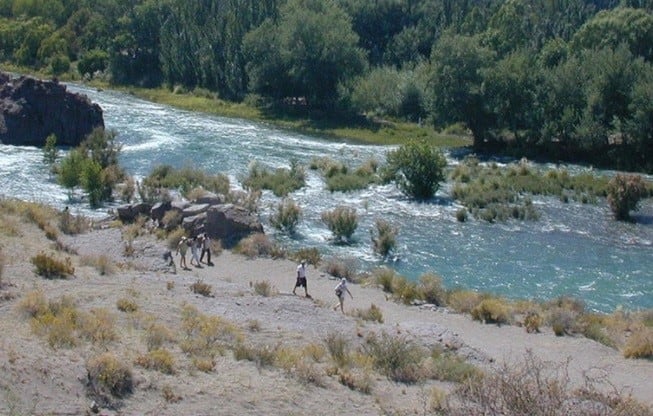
x=308, y=53
x=624, y=193
x=69, y=170
x=456, y=84
x=50, y=152
x=417, y=168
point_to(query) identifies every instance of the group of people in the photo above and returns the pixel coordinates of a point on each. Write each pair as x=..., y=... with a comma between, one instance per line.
x=340, y=288
x=199, y=246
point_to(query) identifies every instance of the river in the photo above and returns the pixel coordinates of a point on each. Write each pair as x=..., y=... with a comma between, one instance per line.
x=573, y=249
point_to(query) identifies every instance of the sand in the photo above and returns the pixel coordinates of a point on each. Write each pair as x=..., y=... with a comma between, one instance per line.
x=38, y=379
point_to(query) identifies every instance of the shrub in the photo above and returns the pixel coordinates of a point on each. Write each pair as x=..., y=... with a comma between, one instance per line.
x=342, y=222
x=98, y=326
x=126, y=305
x=357, y=380
x=384, y=277
x=640, y=344
x=562, y=320
x=373, y=314
x=342, y=267
x=417, y=168
x=449, y=367
x=287, y=216
x=259, y=245
x=159, y=359
x=311, y=255
x=384, y=237
x=204, y=335
x=624, y=193
x=431, y=290
x=201, y=288
x=108, y=377
x=396, y=357
x=491, y=311
x=281, y=182
x=463, y=301
x=72, y=224
x=156, y=335
x=184, y=179
x=101, y=263
x=263, y=356
x=532, y=322
x=264, y=288
x=338, y=348
x=51, y=268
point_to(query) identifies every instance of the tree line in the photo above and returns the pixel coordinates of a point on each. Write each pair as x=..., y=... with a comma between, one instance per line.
x=562, y=79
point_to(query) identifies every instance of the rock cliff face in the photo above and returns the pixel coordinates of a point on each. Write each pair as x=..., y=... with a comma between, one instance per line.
x=31, y=110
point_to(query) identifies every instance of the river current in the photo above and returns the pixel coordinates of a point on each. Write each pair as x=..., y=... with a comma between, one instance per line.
x=573, y=249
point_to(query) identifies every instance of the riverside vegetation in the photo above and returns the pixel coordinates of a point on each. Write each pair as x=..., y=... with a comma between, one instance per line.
x=189, y=342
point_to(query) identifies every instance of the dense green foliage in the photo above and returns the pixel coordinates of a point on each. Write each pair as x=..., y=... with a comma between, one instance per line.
x=417, y=168
x=93, y=165
x=570, y=79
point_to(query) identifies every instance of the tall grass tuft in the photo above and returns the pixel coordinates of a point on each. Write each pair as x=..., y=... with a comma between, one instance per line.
x=281, y=182
x=342, y=222
x=287, y=216
x=384, y=237
x=51, y=268
x=399, y=358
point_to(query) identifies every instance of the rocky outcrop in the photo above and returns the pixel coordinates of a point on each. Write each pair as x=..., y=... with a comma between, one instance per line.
x=31, y=110
x=226, y=222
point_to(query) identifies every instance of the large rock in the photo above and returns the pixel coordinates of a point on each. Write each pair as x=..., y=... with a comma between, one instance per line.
x=230, y=223
x=31, y=110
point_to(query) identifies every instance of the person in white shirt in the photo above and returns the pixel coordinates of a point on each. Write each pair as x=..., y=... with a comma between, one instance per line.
x=301, y=278
x=340, y=289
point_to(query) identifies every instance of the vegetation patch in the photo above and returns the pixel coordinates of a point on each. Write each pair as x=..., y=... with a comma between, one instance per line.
x=50, y=267
x=185, y=179
x=108, y=378
x=160, y=360
x=399, y=358
x=342, y=221
x=281, y=181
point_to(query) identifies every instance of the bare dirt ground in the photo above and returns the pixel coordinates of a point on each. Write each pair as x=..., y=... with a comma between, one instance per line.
x=38, y=379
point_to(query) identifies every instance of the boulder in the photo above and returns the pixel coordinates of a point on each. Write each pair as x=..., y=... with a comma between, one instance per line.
x=194, y=225
x=230, y=223
x=159, y=210
x=31, y=110
x=195, y=209
x=210, y=198
x=128, y=213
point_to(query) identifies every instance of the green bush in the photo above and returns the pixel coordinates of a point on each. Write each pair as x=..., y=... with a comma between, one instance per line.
x=51, y=268
x=281, y=182
x=287, y=216
x=342, y=222
x=384, y=237
x=624, y=194
x=185, y=180
x=417, y=168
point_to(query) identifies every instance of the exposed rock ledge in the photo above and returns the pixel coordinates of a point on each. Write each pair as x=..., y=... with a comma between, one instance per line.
x=31, y=110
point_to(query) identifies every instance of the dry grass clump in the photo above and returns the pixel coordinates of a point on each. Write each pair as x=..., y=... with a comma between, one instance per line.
x=445, y=366
x=398, y=358
x=640, y=344
x=259, y=245
x=201, y=288
x=160, y=360
x=169, y=394
x=261, y=355
x=126, y=305
x=431, y=289
x=492, y=311
x=63, y=325
x=360, y=380
x=264, y=288
x=101, y=263
x=340, y=267
x=108, y=378
x=536, y=388
x=463, y=301
x=206, y=336
x=156, y=335
x=51, y=268
x=311, y=255
x=338, y=348
x=73, y=224
x=373, y=314
x=98, y=326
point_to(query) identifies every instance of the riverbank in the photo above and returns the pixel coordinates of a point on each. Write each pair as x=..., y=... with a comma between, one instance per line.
x=231, y=338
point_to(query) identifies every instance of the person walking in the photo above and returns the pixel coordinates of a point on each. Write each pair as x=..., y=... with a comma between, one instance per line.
x=194, y=251
x=301, y=279
x=182, y=249
x=206, y=249
x=340, y=289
